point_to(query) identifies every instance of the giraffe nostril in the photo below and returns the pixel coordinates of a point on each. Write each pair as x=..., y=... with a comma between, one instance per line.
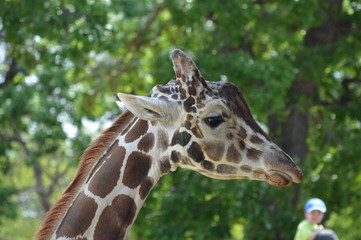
x=287, y=156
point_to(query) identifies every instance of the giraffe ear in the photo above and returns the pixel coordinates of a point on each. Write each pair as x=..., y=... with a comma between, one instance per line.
x=183, y=65
x=147, y=108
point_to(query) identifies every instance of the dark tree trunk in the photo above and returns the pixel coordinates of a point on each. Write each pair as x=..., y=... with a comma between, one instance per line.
x=292, y=133
x=295, y=129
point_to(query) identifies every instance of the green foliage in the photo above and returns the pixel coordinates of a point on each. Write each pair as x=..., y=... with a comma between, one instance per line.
x=62, y=62
x=8, y=208
x=20, y=229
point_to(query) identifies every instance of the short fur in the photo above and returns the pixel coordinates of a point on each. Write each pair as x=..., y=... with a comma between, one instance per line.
x=90, y=156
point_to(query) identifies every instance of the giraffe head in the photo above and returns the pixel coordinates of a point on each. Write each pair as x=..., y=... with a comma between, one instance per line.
x=211, y=128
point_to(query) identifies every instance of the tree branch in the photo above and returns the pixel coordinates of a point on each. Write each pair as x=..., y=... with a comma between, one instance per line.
x=331, y=30
x=137, y=40
x=347, y=92
x=38, y=173
x=55, y=180
x=7, y=138
x=132, y=45
x=346, y=96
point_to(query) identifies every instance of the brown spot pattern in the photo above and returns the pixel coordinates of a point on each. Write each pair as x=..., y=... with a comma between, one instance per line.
x=164, y=165
x=129, y=126
x=189, y=117
x=256, y=140
x=242, y=133
x=253, y=154
x=146, y=143
x=214, y=150
x=106, y=178
x=241, y=145
x=145, y=187
x=180, y=138
x=195, y=152
x=186, y=161
x=78, y=218
x=175, y=156
x=162, y=140
x=188, y=125
x=115, y=218
x=102, y=159
x=164, y=98
x=89, y=158
x=192, y=89
x=164, y=89
x=188, y=103
x=208, y=165
x=223, y=168
x=182, y=92
x=139, y=129
x=233, y=155
x=246, y=168
x=136, y=169
x=229, y=136
x=197, y=132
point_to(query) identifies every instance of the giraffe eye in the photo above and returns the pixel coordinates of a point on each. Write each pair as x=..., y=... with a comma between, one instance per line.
x=214, y=121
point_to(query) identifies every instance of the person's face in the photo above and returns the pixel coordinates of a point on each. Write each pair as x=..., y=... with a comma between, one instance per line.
x=314, y=217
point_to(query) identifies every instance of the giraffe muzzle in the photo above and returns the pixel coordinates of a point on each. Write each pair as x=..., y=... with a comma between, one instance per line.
x=282, y=170
x=283, y=177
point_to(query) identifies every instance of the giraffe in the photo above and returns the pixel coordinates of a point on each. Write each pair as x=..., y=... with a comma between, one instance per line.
x=189, y=122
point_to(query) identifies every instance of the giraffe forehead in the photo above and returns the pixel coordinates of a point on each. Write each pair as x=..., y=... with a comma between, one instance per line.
x=232, y=97
x=222, y=97
x=193, y=98
x=180, y=90
x=169, y=90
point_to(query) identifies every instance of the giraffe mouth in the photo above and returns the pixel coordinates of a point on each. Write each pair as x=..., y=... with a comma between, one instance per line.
x=278, y=179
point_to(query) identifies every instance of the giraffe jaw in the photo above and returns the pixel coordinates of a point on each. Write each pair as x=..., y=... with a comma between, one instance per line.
x=278, y=179
x=272, y=177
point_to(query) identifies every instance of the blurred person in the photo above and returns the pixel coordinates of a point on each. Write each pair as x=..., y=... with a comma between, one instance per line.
x=310, y=228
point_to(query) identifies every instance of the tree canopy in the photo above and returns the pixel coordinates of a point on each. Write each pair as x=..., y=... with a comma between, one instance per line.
x=297, y=62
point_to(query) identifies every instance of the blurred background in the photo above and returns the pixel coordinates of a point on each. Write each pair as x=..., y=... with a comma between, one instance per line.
x=298, y=63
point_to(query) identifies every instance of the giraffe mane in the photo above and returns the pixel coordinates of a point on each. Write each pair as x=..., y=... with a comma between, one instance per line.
x=89, y=157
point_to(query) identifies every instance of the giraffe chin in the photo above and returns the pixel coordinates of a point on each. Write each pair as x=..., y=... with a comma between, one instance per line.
x=278, y=179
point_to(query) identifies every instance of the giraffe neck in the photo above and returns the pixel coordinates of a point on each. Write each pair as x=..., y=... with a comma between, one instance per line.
x=117, y=184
